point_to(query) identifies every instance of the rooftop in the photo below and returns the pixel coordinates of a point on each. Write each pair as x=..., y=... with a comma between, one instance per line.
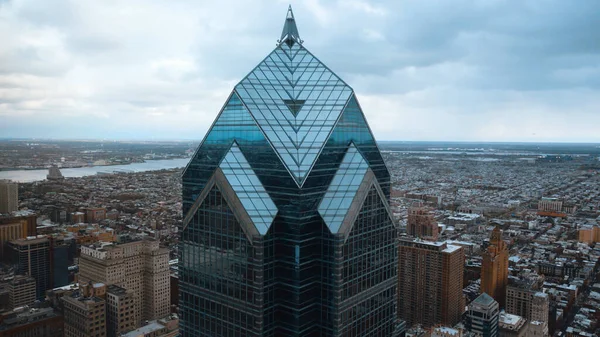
x=484, y=299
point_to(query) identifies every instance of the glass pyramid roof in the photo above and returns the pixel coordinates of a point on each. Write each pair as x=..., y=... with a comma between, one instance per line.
x=295, y=100
x=248, y=188
x=342, y=189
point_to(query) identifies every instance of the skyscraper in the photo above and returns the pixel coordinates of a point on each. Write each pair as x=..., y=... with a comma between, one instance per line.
x=141, y=267
x=287, y=228
x=483, y=316
x=494, y=268
x=9, y=196
x=430, y=277
x=31, y=256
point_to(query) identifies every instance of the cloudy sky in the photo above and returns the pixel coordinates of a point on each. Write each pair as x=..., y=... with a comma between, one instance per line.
x=480, y=70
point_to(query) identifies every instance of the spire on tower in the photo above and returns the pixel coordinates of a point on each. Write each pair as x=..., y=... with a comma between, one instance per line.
x=290, y=33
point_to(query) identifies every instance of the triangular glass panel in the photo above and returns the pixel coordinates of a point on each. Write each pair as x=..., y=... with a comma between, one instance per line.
x=294, y=105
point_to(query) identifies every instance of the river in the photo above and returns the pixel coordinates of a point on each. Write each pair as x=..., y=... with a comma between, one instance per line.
x=24, y=176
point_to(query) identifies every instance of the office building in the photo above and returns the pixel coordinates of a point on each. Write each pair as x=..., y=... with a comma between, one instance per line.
x=85, y=316
x=11, y=229
x=54, y=173
x=494, y=268
x=141, y=267
x=287, y=228
x=589, y=234
x=93, y=215
x=120, y=311
x=510, y=325
x=9, y=196
x=421, y=223
x=430, y=282
x=31, y=322
x=524, y=297
x=483, y=315
x=21, y=291
x=31, y=256
x=550, y=205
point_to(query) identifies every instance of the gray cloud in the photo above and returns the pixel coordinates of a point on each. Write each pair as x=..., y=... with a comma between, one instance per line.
x=424, y=70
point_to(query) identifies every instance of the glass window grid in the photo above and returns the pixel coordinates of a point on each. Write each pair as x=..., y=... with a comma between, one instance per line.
x=288, y=287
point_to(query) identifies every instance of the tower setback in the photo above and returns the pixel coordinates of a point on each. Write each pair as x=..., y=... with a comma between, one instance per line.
x=287, y=229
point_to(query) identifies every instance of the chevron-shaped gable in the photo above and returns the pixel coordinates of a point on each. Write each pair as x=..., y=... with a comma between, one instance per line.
x=296, y=101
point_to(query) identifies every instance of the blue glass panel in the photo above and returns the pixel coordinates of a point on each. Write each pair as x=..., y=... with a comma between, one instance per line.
x=343, y=188
x=295, y=76
x=248, y=189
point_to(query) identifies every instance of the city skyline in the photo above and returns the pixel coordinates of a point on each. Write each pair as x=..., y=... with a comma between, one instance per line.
x=457, y=72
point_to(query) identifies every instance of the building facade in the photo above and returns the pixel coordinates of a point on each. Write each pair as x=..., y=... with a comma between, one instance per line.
x=430, y=279
x=9, y=196
x=120, y=311
x=483, y=316
x=141, y=267
x=22, y=291
x=31, y=256
x=421, y=223
x=84, y=316
x=31, y=322
x=287, y=229
x=525, y=298
x=494, y=268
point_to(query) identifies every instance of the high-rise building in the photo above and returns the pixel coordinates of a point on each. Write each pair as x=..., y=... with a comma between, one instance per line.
x=421, y=223
x=430, y=279
x=85, y=316
x=494, y=268
x=21, y=291
x=287, y=228
x=141, y=267
x=31, y=256
x=54, y=173
x=483, y=315
x=11, y=230
x=524, y=297
x=120, y=311
x=9, y=196
x=16, y=226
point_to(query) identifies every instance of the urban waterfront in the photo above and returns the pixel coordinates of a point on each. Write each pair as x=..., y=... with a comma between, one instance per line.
x=24, y=176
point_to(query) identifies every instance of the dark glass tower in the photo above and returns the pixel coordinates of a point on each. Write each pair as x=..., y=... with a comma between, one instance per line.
x=287, y=228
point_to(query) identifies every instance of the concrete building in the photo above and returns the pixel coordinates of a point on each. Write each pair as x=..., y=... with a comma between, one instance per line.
x=93, y=215
x=54, y=173
x=494, y=268
x=31, y=322
x=421, y=223
x=9, y=196
x=550, y=205
x=31, y=256
x=120, y=311
x=524, y=298
x=483, y=315
x=510, y=325
x=141, y=267
x=21, y=291
x=589, y=234
x=430, y=278
x=11, y=230
x=85, y=316
x=164, y=327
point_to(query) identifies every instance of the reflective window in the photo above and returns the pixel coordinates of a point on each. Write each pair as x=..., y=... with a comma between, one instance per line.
x=291, y=93
x=248, y=188
x=343, y=188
